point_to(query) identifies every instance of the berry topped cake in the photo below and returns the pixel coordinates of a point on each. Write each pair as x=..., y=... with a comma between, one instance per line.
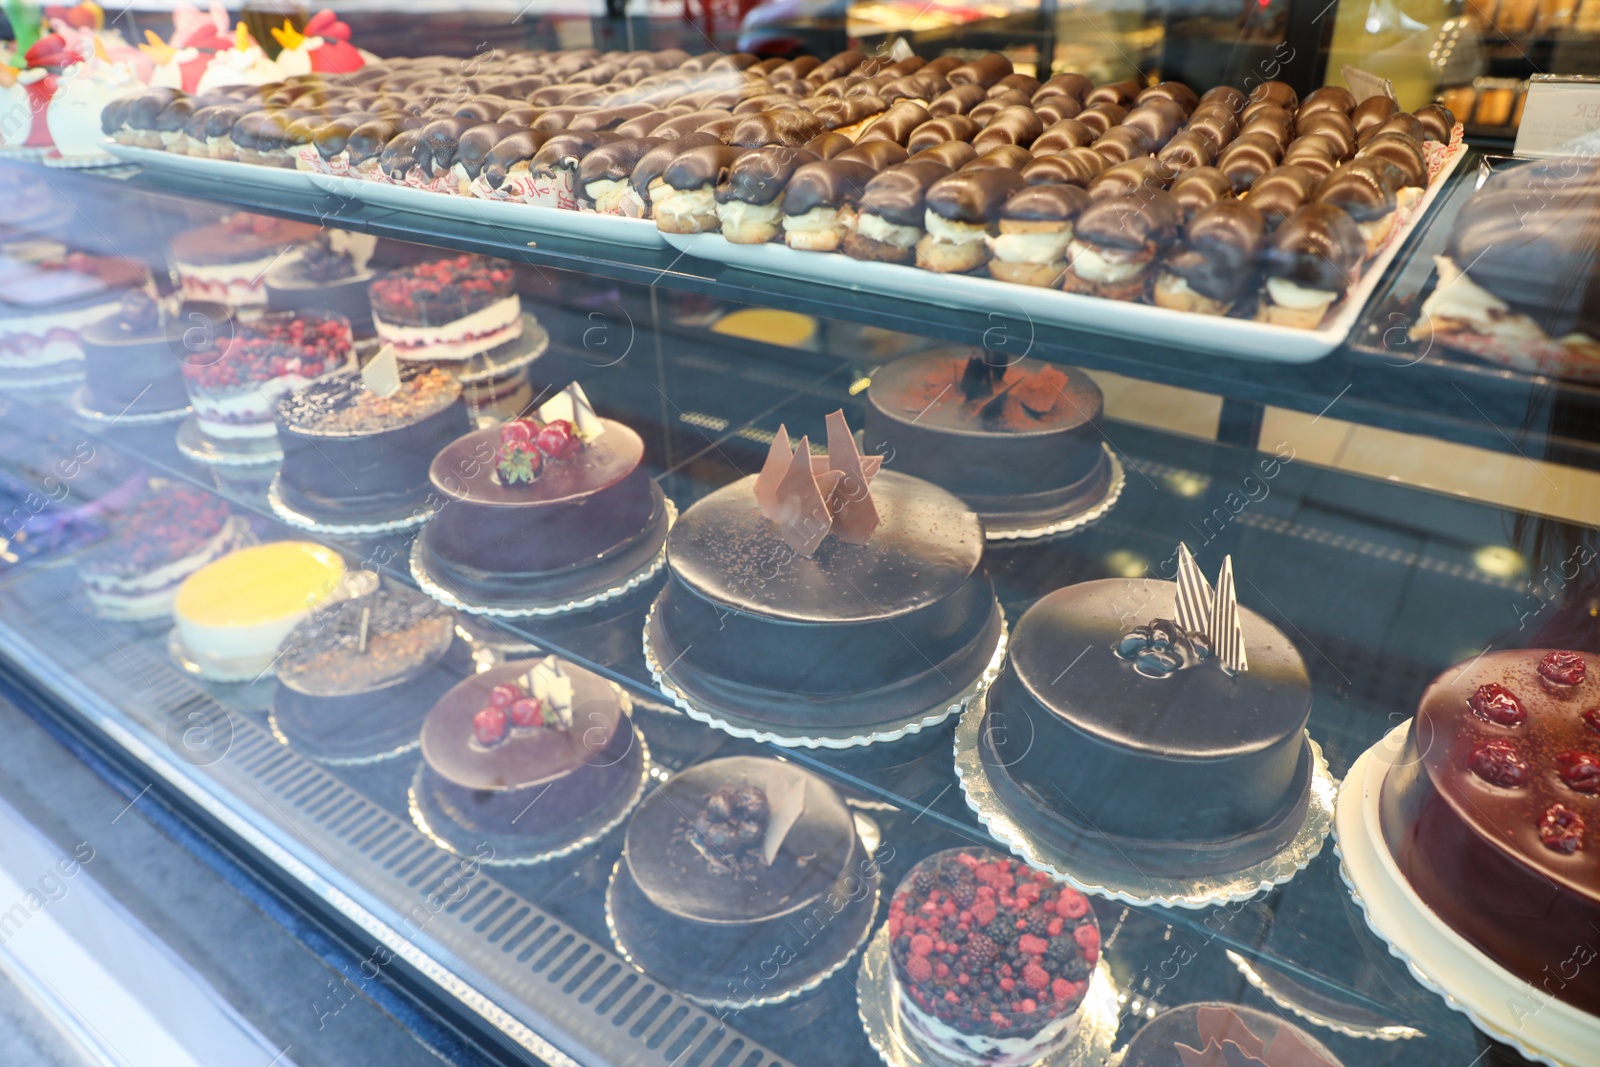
x=330, y=275
x=131, y=356
x=1224, y=1035
x=1019, y=441
x=1492, y=812
x=992, y=959
x=47, y=299
x=164, y=535
x=447, y=310
x=234, y=386
x=227, y=261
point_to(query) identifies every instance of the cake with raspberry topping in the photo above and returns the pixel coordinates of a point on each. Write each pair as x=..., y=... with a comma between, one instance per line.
x=535, y=750
x=131, y=357
x=352, y=455
x=1492, y=812
x=356, y=679
x=1019, y=441
x=447, y=310
x=991, y=959
x=1223, y=1035
x=234, y=385
x=164, y=535
x=329, y=275
x=227, y=261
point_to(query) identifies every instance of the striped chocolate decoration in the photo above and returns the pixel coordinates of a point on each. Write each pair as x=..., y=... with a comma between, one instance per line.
x=1227, y=637
x=1194, y=594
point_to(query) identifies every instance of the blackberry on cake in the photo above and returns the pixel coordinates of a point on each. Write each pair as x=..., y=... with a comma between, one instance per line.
x=227, y=261
x=447, y=310
x=234, y=385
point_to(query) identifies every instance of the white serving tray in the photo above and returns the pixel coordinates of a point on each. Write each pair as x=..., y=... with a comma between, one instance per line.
x=281, y=179
x=1243, y=338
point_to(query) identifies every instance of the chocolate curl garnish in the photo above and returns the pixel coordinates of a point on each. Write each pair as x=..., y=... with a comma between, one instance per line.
x=980, y=377
x=854, y=514
x=1194, y=594
x=1227, y=637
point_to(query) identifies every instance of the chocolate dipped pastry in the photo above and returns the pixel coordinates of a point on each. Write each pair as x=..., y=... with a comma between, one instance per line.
x=1224, y=1034
x=986, y=112
x=953, y=154
x=711, y=120
x=473, y=149
x=1224, y=97
x=1213, y=267
x=961, y=212
x=1271, y=120
x=1401, y=122
x=1117, y=242
x=1334, y=128
x=919, y=87
x=938, y=131
x=1145, y=172
x=1165, y=750
x=1062, y=135
x=1276, y=93
x=331, y=275
x=509, y=160
x=603, y=174
x=1035, y=229
x=1309, y=262
x=1373, y=111
x=898, y=123
x=842, y=613
x=357, y=678
x=791, y=126
x=957, y=101
x=1402, y=151
x=1159, y=119
x=1200, y=188
x=827, y=145
x=131, y=359
x=1102, y=116
x=985, y=71
x=529, y=757
x=820, y=201
x=1121, y=93
x=1003, y=157
x=889, y=216
x=645, y=184
x=1328, y=98
x=1017, y=439
x=1215, y=123
x=848, y=115
x=1312, y=154
x=686, y=201
x=1282, y=192
x=750, y=199
x=553, y=170
x=365, y=145
x=1075, y=166
x=1438, y=123
x=1068, y=84
x=1122, y=143
x=1026, y=84
x=1177, y=92
x=1053, y=109
x=1248, y=158
x=1016, y=125
x=1491, y=811
x=437, y=143
x=131, y=119
x=1372, y=191
x=1189, y=150
x=879, y=155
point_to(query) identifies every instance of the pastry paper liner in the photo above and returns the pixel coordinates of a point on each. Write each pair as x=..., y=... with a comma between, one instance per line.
x=416, y=517
x=1079, y=520
x=842, y=738
x=1129, y=888
x=81, y=408
x=197, y=445
x=1098, y=1017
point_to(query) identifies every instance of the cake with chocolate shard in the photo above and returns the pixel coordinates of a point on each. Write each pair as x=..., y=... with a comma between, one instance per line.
x=1018, y=440
x=991, y=960
x=1176, y=745
x=1492, y=813
x=1224, y=1035
x=448, y=310
x=825, y=595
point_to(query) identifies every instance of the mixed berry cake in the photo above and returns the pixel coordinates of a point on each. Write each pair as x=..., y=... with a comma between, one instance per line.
x=991, y=959
x=536, y=751
x=356, y=679
x=46, y=304
x=734, y=863
x=1019, y=441
x=329, y=275
x=1492, y=813
x=235, y=385
x=131, y=361
x=350, y=454
x=447, y=310
x=164, y=535
x=227, y=261
x=1224, y=1035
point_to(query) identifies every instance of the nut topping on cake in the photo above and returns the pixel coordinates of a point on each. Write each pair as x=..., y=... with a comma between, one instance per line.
x=1562, y=669
x=1497, y=704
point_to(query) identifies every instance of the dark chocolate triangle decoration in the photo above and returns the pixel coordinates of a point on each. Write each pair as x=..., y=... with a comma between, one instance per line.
x=779, y=456
x=854, y=514
x=802, y=510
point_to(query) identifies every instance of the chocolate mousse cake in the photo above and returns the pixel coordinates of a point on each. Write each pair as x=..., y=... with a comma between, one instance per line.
x=991, y=959
x=329, y=275
x=1019, y=441
x=1492, y=812
x=541, y=513
x=227, y=261
x=1174, y=747
x=447, y=310
x=531, y=757
x=733, y=863
x=131, y=357
x=825, y=601
x=356, y=680
x=351, y=455
x=1224, y=1035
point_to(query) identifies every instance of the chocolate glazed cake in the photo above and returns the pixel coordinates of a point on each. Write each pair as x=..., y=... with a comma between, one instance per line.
x=1147, y=754
x=1019, y=442
x=131, y=361
x=1492, y=813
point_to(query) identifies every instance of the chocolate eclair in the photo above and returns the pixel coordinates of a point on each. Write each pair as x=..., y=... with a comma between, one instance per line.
x=984, y=71
x=1328, y=98
x=1274, y=122
x=210, y=131
x=1281, y=192
x=1005, y=157
x=1313, y=154
x=1280, y=94
x=1215, y=123
x=827, y=145
x=1158, y=118
x=819, y=203
x=169, y=127
x=364, y=146
x=553, y=170
x=1372, y=192
x=1334, y=128
x=1143, y=172
x=938, y=131
x=509, y=160
x=792, y=126
x=1197, y=189
x=472, y=150
x=889, y=217
x=1438, y=122
x=1075, y=166
x=1026, y=84
x=953, y=154
x=897, y=123
x=1179, y=93
x=437, y=143
x=1068, y=84
x=1121, y=93
x=1122, y=143
x=847, y=114
x=1060, y=136
x=686, y=201
x=1309, y=262
x=1035, y=230
x=1017, y=125
x=1053, y=109
x=957, y=101
x=395, y=162
x=1373, y=111
x=1248, y=158
x=1102, y=116
x=750, y=199
x=695, y=121
x=876, y=154
x=1401, y=122
x=920, y=86
x=962, y=211
x=985, y=112
x=1215, y=264
x=645, y=125
x=1225, y=97
x=1118, y=241
x=1188, y=150
x=603, y=174
x=1404, y=152
x=126, y=118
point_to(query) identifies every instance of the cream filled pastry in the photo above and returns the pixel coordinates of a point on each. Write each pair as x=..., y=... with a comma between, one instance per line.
x=961, y=213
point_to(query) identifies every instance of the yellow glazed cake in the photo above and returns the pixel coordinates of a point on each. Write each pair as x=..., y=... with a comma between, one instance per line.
x=233, y=614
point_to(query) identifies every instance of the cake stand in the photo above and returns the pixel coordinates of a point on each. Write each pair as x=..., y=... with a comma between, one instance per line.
x=1128, y=885
x=1078, y=520
x=197, y=445
x=875, y=1000
x=82, y=408
x=1499, y=1003
x=301, y=521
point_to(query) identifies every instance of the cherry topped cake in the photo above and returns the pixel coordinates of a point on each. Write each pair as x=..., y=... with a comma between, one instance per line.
x=447, y=310
x=1018, y=439
x=991, y=959
x=1492, y=812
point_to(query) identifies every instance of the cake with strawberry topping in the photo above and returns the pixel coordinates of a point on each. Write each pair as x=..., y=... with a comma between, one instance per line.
x=227, y=261
x=1492, y=812
x=447, y=310
x=543, y=512
x=532, y=755
x=991, y=959
x=164, y=535
x=234, y=385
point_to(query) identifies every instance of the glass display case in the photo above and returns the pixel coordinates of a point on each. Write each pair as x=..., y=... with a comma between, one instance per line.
x=636, y=647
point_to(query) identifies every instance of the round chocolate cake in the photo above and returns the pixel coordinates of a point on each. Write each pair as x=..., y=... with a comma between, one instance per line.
x=586, y=520
x=1114, y=735
x=132, y=358
x=1020, y=442
x=530, y=755
x=351, y=455
x=356, y=680
x=324, y=278
x=1224, y=1034
x=851, y=638
x=1492, y=812
x=734, y=863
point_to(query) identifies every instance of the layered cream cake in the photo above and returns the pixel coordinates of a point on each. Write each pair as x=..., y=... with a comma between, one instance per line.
x=447, y=310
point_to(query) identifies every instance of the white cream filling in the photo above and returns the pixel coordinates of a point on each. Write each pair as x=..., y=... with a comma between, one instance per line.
x=1458, y=298
x=39, y=323
x=942, y=229
x=632, y=204
x=685, y=204
x=607, y=194
x=1041, y=248
x=978, y=1050
x=817, y=220
x=1288, y=294
x=219, y=415
x=883, y=231
x=478, y=332
x=736, y=215
x=1106, y=266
